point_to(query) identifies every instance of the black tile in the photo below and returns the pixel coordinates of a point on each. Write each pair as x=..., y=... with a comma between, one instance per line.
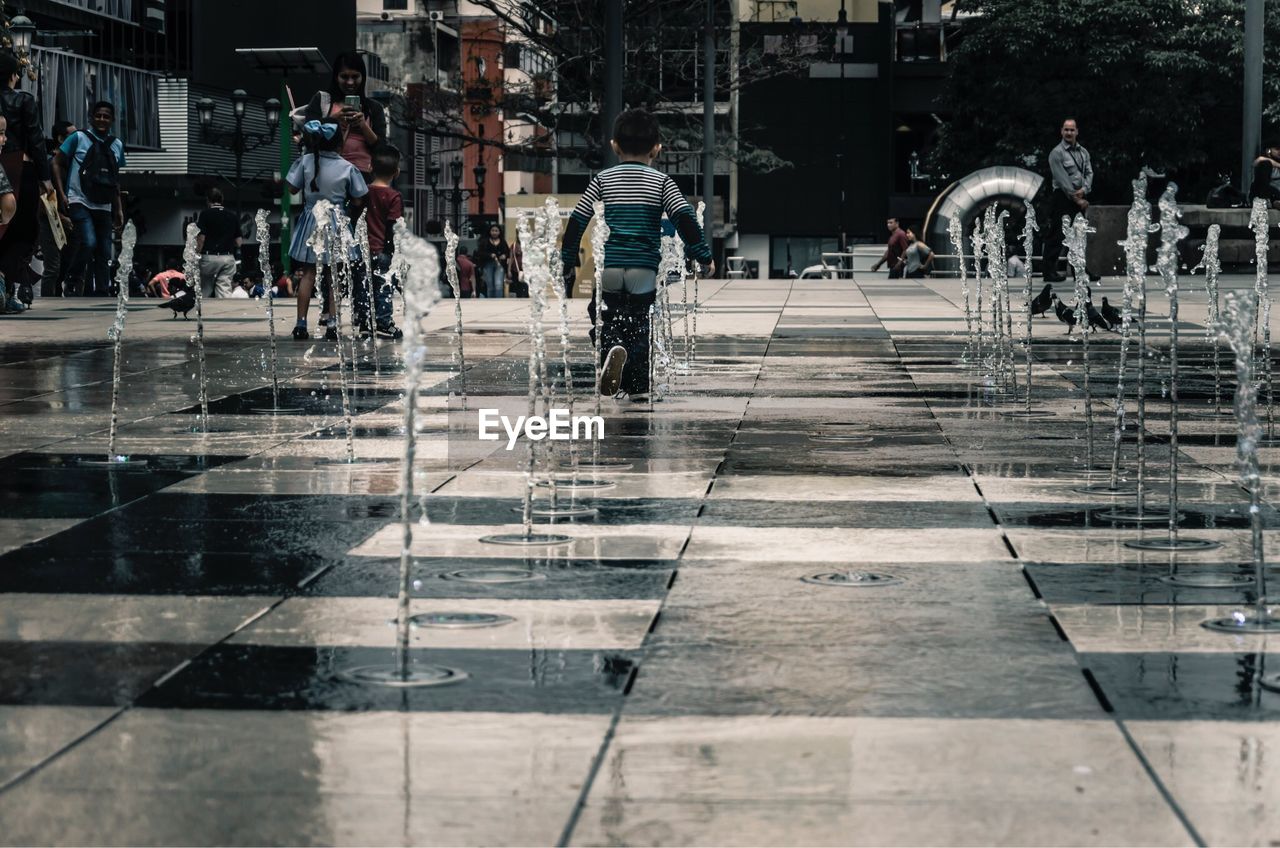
x=40, y=570
x=88, y=674
x=1197, y=517
x=113, y=536
x=1192, y=686
x=562, y=579
x=35, y=485
x=1133, y=583
x=308, y=401
x=254, y=677
x=891, y=514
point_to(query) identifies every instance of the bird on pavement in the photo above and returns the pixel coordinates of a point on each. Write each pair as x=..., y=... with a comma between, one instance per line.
x=1041, y=302
x=184, y=301
x=1065, y=313
x=1111, y=315
x=1096, y=321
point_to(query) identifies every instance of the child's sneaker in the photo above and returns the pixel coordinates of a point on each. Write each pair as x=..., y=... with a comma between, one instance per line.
x=299, y=332
x=331, y=333
x=389, y=330
x=611, y=372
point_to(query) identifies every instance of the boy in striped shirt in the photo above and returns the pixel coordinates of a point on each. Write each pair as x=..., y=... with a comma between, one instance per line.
x=635, y=195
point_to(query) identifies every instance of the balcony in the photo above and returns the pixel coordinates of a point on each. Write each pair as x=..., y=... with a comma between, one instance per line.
x=68, y=83
x=121, y=10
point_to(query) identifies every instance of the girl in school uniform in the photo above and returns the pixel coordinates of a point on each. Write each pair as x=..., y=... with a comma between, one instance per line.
x=320, y=174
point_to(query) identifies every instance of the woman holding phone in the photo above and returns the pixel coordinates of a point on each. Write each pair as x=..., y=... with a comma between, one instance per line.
x=363, y=120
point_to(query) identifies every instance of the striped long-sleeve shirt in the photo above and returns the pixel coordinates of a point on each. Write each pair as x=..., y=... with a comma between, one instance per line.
x=635, y=196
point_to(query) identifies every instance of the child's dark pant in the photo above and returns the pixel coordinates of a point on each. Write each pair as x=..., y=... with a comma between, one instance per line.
x=625, y=322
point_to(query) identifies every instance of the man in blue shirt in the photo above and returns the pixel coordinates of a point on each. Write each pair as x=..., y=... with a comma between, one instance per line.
x=86, y=175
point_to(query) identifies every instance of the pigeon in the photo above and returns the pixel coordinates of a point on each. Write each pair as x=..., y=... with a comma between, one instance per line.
x=1040, y=304
x=1065, y=313
x=1095, y=318
x=183, y=302
x=1111, y=315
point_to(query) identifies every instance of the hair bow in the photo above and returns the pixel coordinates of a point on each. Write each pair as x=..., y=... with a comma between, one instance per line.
x=317, y=128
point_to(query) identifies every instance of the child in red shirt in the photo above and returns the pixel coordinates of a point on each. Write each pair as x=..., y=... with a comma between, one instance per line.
x=385, y=208
x=466, y=272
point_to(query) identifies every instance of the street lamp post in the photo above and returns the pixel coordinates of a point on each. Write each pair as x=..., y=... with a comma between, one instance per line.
x=236, y=138
x=433, y=181
x=460, y=194
x=21, y=30
x=842, y=33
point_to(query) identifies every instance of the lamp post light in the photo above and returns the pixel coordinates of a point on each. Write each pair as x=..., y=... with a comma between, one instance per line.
x=21, y=31
x=235, y=138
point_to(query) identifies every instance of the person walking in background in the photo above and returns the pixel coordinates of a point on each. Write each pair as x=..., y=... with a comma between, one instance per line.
x=1072, y=171
x=86, y=175
x=55, y=257
x=917, y=259
x=217, y=243
x=898, y=244
x=385, y=206
x=635, y=195
x=24, y=162
x=492, y=256
x=362, y=120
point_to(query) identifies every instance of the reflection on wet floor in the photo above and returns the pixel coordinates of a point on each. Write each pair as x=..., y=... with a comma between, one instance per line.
x=176, y=639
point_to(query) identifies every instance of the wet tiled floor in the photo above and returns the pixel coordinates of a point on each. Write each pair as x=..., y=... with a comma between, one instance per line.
x=173, y=639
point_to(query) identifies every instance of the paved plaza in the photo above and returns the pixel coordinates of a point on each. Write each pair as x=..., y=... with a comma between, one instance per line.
x=174, y=637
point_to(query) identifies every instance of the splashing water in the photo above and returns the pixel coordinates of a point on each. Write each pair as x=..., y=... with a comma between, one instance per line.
x=1135, y=253
x=365, y=254
x=1171, y=232
x=1140, y=220
x=956, y=231
x=1236, y=327
x=191, y=268
x=599, y=237
x=326, y=243
x=420, y=290
x=116, y=331
x=1212, y=268
x=451, y=275
x=1075, y=237
x=1258, y=222
x=551, y=209
x=1028, y=246
x=701, y=215
x=977, y=240
x=263, y=231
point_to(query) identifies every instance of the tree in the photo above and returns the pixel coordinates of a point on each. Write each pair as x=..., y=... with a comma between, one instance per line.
x=1154, y=82
x=571, y=54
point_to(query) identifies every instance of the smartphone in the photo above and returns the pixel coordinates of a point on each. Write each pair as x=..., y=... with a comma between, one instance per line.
x=352, y=101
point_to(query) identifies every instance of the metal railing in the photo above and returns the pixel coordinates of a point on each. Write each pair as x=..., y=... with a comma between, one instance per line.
x=121, y=10
x=68, y=84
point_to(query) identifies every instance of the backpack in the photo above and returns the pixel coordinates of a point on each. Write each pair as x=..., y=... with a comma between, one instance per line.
x=100, y=170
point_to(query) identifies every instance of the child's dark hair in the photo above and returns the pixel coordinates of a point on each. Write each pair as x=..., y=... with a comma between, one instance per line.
x=9, y=65
x=386, y=161
x=462, y=250
x=102, y=104
x=636, y=132
x=315, y=143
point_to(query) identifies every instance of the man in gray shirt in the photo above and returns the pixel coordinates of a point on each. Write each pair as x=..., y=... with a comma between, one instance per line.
x=1072, y=181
